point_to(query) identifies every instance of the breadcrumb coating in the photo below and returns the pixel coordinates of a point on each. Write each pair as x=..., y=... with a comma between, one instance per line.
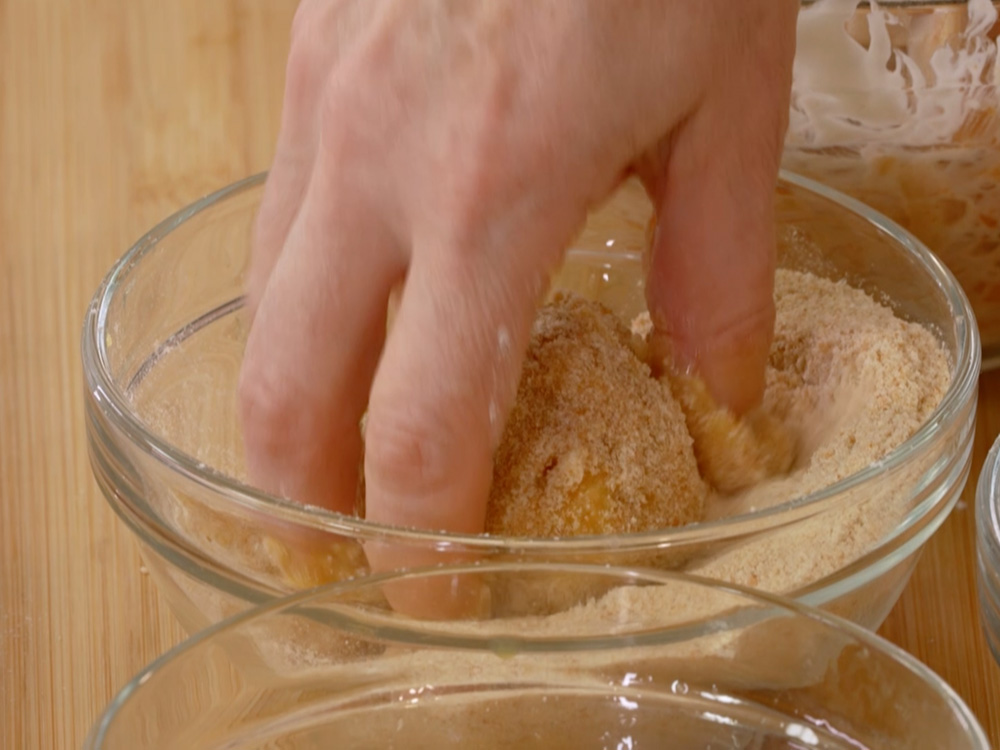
x=594, y=444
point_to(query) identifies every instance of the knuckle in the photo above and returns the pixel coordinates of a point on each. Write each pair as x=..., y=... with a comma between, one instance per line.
x=301, y=20
x=334, y=105
x=344, y=122
x=342, y=152
x=498, y=163
x=406, y=455
x=361, y=100
x=303, y=71
x=308, y=14
x=316, y=47
x=488, y=154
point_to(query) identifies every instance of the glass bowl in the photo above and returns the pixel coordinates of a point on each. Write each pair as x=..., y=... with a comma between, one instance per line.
x=162, y=346
x=988, y=547
x=899, y=106
x=536, y=656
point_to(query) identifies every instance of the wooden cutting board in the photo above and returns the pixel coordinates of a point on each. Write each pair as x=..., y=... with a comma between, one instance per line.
x=113, y=114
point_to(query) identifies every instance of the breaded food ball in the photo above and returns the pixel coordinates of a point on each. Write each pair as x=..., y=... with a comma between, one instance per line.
x=594, y=444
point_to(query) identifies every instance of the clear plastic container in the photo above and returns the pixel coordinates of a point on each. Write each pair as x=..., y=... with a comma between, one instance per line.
x=898, y=105
x=162, y=347
x=537, y=656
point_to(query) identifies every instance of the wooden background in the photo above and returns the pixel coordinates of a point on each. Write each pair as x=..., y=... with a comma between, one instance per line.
x=113, y=114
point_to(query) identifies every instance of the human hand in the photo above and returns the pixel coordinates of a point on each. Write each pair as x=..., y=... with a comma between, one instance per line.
x=459, y=146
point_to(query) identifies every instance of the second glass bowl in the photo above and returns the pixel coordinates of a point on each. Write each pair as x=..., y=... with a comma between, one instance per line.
x=547, y=656
x=988, y=547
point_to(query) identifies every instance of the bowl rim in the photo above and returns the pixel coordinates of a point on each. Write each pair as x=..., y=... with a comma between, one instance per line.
x=988, y=547
x=765, y=606
x=112, y=401
x=987, y=490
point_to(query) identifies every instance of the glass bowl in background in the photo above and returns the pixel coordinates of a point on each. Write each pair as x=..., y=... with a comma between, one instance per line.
x=545, y=656
x=899, y=107
x=163, y=342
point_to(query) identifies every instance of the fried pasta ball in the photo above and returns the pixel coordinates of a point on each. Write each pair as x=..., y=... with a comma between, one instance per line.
x=600, y=442
x=594, y=444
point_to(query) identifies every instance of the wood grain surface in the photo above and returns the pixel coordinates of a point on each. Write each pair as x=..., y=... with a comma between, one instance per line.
x=113, y=114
